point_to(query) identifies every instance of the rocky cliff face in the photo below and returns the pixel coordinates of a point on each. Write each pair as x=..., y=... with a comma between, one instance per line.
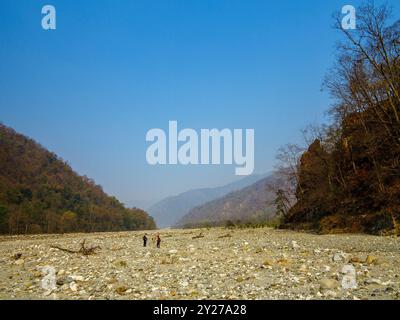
x=353, y=188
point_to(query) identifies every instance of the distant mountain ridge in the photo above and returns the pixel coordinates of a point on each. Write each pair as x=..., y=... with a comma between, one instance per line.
x=253, y=203
x=169, y=211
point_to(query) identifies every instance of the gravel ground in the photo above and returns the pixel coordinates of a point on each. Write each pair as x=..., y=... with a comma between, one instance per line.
x=201, y=264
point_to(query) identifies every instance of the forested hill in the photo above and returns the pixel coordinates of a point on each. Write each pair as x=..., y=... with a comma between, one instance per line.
x=40, y=193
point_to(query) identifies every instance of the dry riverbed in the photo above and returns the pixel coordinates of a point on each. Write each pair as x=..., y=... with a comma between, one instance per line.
x=220, y=264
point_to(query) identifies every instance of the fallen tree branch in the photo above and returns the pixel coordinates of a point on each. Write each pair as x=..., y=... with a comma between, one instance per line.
x=86, y=251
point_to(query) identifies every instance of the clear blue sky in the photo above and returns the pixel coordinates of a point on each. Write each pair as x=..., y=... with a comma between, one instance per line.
x=90, y=90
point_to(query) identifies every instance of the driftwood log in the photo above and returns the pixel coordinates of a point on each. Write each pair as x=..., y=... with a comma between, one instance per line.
x=86, y=251
x=228, y=235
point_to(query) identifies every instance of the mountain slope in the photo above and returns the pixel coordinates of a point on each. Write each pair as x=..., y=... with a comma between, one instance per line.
x=169, y=211
x=250, y=204
x=40, y=193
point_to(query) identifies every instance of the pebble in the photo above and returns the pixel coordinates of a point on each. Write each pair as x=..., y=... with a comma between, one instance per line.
x=73, y=286
x=64, y=280
x=371, y=259
x=19, y=262
x=338, y=256
x=328, y=283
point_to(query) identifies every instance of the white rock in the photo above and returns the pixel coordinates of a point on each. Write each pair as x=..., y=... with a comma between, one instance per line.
x=372, y=281
x=73, y=286
x=77, y=278
x=327, y=268
x=338, y=257
x=295, y=245
x=183, y=259
x=349, y=269
x=349, y=282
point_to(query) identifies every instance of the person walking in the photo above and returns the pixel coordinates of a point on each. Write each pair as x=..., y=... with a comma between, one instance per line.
x=145, y=240
x=158, y=240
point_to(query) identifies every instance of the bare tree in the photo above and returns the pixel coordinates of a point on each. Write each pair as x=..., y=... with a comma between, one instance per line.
x=289, y=163
x=367, y=71
x=365, y=77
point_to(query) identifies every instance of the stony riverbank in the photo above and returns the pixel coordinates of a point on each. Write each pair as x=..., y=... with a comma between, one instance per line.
x=219, y=264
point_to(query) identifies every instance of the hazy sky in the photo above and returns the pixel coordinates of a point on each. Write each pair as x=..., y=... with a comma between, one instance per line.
x=112, y=70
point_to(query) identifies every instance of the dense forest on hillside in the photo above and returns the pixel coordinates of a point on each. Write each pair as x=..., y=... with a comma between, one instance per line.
x=348, y=179
x=40, y=193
